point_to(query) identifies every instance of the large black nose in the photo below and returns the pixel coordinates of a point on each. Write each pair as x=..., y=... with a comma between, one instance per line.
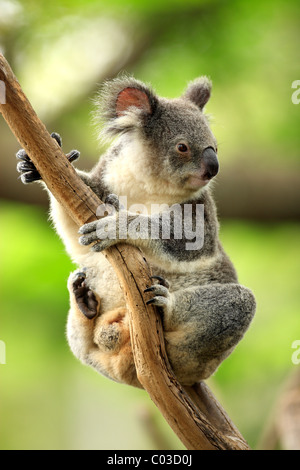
x=210, y=164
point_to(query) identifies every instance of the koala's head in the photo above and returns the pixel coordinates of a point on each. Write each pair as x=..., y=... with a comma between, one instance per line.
x=175, y=141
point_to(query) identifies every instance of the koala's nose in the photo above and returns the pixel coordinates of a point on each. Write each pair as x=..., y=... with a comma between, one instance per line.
x=210, y=164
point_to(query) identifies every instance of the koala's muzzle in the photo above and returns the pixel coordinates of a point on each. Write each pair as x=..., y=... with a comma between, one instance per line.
x=208, y=168
x=209, y=163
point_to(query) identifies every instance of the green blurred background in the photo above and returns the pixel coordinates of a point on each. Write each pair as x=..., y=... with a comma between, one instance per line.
x=61, y=51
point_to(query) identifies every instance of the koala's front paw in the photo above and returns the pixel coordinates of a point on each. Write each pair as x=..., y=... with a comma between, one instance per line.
x=102, y=231
x=28, y=171
x=112, y=200
x=160, y=291
x=71, y=156
x=85, y=297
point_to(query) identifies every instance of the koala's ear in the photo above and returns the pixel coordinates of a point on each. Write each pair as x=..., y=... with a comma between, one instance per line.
x=133, y=97
x=198, y=91
x=118, y=95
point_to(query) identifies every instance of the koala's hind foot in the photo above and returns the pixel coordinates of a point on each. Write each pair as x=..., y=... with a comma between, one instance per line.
x=85, y=297
x=99, y=339
x=28, y=171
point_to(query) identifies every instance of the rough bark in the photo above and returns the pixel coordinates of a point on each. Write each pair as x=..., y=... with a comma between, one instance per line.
x=200, y=424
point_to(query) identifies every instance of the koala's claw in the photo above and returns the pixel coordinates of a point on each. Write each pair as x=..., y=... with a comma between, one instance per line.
x=160, y=291
x=85, y=297
x=57, y=137
x=22, y=155
x=162, y=281
x=71, y=156
x=78, y=281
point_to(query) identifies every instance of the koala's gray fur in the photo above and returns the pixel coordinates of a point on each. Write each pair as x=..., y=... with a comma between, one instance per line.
x=163, y=153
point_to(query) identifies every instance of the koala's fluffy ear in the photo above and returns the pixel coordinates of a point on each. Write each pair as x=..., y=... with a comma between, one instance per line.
x=198, y=91
x=120, y=94
x=123, y=104
x=133, y=97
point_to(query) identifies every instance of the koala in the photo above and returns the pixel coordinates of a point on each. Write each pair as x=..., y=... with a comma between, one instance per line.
x=155, y=181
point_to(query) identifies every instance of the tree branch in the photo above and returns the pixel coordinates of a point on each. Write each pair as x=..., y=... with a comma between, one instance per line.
x=201, y=426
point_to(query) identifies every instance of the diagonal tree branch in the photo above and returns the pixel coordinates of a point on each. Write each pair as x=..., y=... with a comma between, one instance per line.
x=193, y=413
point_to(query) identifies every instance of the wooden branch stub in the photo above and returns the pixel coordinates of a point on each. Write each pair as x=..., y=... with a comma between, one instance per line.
x=199, y=427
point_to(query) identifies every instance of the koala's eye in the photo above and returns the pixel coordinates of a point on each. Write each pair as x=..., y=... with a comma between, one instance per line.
x=182, y=148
